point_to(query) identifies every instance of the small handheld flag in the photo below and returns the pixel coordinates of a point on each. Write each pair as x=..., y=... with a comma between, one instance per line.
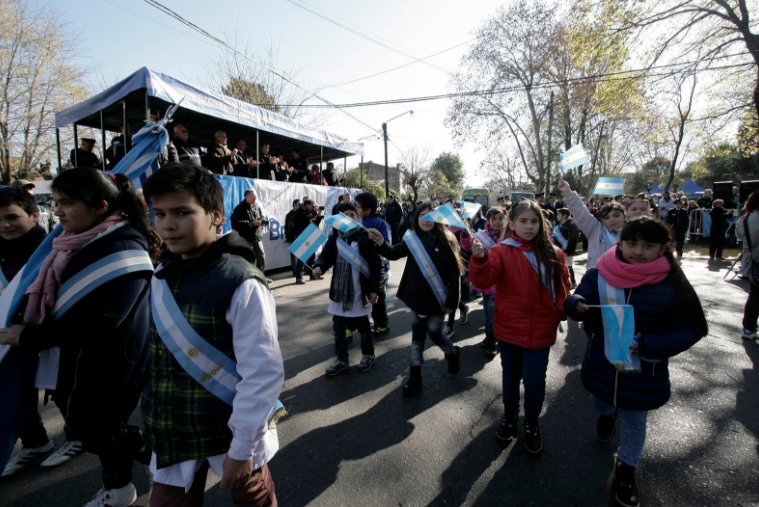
x=445, y=215
x=341, y=222
x=610, y=186
x=307, y=243
x=470, y=209
x=484, y=240
x=619, y=331
x=573, y=157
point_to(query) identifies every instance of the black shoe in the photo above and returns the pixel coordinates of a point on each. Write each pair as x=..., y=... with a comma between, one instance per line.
x=490, y=345
x=464, y=314
x=508, y=428
x=300, y=281
x=454, y=361
x=625, y=489
x=414, y=382
x=605, y=428
x=532, y=441
x=337, y=367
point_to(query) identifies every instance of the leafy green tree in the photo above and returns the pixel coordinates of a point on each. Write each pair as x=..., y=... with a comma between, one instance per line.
x=250, y=92
x=353, y=180
x=451, y=165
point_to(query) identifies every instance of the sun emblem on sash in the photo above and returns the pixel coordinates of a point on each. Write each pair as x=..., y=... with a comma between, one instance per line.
x=192, y=352
x=308, y=243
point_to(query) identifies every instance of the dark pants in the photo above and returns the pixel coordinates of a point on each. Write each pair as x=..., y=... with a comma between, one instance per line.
x=751, y=311
x=452, y=316
x=258, y=251
x=297, y=266
x=394, y=229
x=379, y=309
x=680, y=243
x=258, y=492
x=340, y=324
x=716, y=244
x=529, y=365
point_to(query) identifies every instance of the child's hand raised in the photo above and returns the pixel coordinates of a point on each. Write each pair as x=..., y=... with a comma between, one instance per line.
x=564, y=188
x=375, y=236
x=477, y=249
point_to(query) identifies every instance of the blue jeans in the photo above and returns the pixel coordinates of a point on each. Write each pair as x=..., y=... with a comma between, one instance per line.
x=297, y=266
x=632, y=435
x=432, y=324
x=529, y=365
x=379, y=309
x=488, y=303
x=340, y=324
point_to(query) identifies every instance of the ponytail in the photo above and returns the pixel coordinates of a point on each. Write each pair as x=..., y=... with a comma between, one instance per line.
x=92, y=187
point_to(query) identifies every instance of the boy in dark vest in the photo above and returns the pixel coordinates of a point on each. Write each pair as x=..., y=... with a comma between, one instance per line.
x=216, y=367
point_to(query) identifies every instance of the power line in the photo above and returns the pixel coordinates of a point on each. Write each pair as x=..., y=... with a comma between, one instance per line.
x=168, y=11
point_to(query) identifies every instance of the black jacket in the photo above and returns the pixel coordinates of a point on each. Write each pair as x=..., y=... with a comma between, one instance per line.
x=300, y=171
x=719, y=221
x=220, y=159
x=332, y=179
x=116, y=151
x=290, y=226
x=301, y=218
x=242, y=215
x=15, y=253
x=242, y=167
x=85, y=159
x=366, y=249
x=104, y=340
x=394, y=213
x=678, y=219
x=570, y=231
x=265, y=169
x=188, y=152
x=414, y=289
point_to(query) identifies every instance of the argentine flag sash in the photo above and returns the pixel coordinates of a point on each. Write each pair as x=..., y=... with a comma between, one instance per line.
x=544, y=277
x=211, y=368
x=619, y=327
x=558, y=236
x=610, y=237
x=3, y=281
x=352, y=257
x=425, y=264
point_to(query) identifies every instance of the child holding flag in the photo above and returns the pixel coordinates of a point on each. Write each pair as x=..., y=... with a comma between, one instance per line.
x=356, y=282
x=92, y=338
x=602, y=230
x=366, y=206
x=215, y=365
x=566, y=235
x=531, y=282
x=665, y=318
x=488, y=237
x=430, y=287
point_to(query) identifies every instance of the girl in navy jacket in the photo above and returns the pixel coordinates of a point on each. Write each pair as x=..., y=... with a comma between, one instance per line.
x=668, y=320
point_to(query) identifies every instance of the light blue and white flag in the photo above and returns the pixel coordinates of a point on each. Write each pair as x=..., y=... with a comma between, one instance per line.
x=445, y=215
x=484, y=240
x=573, y=157
x=619, y=327
x=341, y=222
x=559, y=237
x=353, y=258
x=610, y=186
x=3, y=281
x=307, y=243
x=470, y=209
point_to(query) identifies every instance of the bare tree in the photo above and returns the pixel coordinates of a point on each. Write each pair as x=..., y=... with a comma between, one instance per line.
x=415, y=162
x=37, y=78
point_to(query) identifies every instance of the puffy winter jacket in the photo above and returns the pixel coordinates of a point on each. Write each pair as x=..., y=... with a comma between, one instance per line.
x=661, y=339
x=525, y=314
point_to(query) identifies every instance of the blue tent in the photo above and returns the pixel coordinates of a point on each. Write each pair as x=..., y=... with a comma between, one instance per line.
x=655, y=190
x=691, y=188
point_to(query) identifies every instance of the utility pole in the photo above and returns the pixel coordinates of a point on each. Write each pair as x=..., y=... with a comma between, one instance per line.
x=387, y=182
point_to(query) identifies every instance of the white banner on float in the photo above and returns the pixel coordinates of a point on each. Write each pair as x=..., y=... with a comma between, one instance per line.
x=276, y=200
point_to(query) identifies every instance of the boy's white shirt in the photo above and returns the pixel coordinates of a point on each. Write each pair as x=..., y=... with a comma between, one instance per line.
x=252, y=315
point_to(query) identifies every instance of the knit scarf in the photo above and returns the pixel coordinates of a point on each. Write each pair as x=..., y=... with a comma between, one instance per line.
x=622, y=275
x=494, y=234
x=41, y=293
x=344, y=283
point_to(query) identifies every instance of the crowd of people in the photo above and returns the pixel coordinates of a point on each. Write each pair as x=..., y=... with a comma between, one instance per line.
x=183, y=324
x=219, y=156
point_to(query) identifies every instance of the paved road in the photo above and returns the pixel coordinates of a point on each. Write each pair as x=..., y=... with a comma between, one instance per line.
x=353, y=440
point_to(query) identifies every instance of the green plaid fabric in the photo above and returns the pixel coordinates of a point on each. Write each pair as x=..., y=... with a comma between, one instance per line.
x=184, y=421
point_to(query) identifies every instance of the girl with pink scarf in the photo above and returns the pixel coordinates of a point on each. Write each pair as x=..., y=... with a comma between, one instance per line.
x=668, y=320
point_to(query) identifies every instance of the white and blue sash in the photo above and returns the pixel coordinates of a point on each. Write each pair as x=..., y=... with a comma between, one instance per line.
x=208, y=366
x=545, y=278
x=3, y=281
x=610, y=237
x=353, y=258
x=619, y=327
x=558, y=236
x=427, y=267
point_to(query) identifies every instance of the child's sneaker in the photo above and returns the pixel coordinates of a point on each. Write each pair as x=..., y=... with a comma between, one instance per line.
x=448, y=332
x=454, y=361
x=366, y=363
x=121, y=497
x=337, y=367
x=508, y=428
x=625, y=489
x=348, y=335
x=69, y=450
x=26, y=457
x=748, y=335
x=532, y=441
x=464, y=314
x=380, y=330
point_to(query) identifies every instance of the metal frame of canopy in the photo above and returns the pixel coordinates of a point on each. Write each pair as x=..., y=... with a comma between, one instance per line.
x=135, y=109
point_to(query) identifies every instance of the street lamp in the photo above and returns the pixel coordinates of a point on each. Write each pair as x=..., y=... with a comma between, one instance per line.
x=384, y=136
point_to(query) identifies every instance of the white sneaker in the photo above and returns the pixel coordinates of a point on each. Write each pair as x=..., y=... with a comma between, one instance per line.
x=448, y=332
x=26, y=457
x=122, y=497
x=70, y=449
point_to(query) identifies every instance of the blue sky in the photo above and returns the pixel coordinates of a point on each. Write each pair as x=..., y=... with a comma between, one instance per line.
x=119, y=36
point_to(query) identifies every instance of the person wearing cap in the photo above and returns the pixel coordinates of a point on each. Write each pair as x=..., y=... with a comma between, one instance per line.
x=553, y=203
x=539, y=199
x=47, y=219
x=84, y=157
x=677, y=218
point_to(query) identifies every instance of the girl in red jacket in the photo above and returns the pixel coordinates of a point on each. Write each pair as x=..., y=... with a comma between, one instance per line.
x=528, y=310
